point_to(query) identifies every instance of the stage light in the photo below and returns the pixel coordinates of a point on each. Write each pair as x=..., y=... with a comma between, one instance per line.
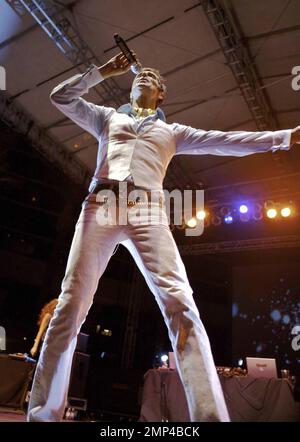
x=240, y=362
x=216, y=220
x=228, y=219
x=257, y=212
x=271, y=213
x=285, y=212
x=164, y=358
x=192, y=222
x=201, y=214
x=243, y=208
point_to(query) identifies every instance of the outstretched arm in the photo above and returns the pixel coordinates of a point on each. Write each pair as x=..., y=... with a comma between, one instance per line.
x=295, y=136
x=235, y=143
x=67, y=95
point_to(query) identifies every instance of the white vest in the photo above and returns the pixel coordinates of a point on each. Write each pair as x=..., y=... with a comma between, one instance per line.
x=144, y=150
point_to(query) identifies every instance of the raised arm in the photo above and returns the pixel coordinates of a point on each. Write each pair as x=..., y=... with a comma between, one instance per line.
x=233, y=143
x=67, y=95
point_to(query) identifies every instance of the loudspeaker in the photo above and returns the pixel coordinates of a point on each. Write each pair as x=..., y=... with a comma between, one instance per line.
x=82, y=342
x=115, y=390
x=15, y=376
x=79, y=373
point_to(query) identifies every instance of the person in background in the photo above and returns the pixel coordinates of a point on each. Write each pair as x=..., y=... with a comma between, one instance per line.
x=43, y=322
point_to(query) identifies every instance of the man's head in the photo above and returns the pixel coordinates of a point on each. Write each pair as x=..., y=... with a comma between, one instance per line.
x=149, y=83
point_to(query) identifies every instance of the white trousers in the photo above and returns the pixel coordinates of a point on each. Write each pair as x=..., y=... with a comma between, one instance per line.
x=156, y=254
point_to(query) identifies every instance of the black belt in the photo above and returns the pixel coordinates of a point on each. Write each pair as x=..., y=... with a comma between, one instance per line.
x=120, y=193
x=115, y=187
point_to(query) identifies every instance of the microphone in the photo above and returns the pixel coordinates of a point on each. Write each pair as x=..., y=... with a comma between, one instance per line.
x=136, y=66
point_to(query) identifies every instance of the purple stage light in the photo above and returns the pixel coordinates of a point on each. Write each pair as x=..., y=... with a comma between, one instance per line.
x=243, y=208
x=228, y=219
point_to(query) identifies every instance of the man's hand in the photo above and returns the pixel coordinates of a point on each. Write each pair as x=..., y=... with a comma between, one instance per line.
x=295, y=137
x=117, y=65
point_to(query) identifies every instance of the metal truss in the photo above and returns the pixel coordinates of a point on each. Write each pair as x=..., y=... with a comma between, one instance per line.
x=134, y=303
x=274, y=242
x=53, y=19
x=240, y=62
x=17, y=7
x=15, y=116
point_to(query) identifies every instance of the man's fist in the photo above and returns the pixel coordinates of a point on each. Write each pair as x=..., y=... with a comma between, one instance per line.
x=117, y=65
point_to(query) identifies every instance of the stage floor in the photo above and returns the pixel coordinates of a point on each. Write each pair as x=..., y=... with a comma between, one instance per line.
x=16, y=417
x=8, y=416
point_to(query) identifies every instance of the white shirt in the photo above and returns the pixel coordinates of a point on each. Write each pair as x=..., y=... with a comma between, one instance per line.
x=143, y=149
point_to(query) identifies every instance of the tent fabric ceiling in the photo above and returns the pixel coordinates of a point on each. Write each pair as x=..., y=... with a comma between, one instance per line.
x=175, y=37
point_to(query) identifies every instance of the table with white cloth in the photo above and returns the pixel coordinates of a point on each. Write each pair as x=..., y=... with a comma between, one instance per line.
x=248, y=399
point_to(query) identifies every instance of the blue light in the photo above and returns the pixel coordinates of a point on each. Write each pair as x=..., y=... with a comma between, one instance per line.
x=243, y=208
x=286, y=319
x=259, y=348
x=235, y=309
x=275, y=315
x=228, y=219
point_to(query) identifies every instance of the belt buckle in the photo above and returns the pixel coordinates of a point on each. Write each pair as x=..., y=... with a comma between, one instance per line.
x=131, y=203
x=136, y=201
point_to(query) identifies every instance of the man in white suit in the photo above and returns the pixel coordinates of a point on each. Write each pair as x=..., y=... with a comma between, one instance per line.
x=135, y=146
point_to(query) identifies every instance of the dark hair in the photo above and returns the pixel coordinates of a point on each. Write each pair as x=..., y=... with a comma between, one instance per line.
x=162, y=81
x=161, y=78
